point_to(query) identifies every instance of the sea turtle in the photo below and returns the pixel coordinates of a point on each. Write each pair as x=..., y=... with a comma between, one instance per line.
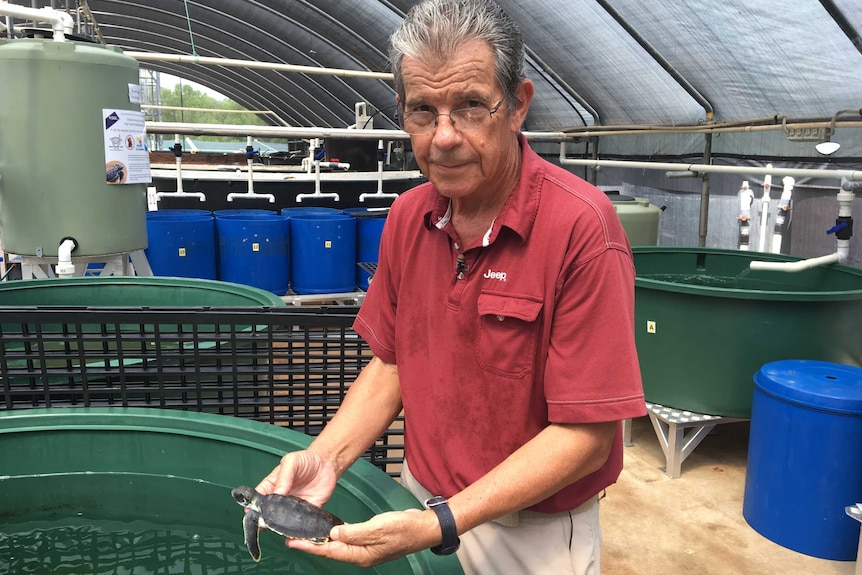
x=287, y=515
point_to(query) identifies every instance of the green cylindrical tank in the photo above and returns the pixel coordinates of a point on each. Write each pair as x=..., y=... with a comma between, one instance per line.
x=53, y=181
x=139, y=490
x=705, y=323
x=123, y=291
x=639, y=217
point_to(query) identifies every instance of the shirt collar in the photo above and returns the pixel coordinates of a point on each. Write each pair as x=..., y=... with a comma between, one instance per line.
x=518, y=213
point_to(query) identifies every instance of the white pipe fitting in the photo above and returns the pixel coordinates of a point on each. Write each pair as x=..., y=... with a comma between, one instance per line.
x=61, y=22
x=787, y=191
x=797, y=266
x=333, y=195
x=746, y=199
x=379, y=194
x=250, y=195
x=764, y=210
x=250, y=162
x=845, y=203
x=180, y=193
x=65, y=268
x=843, y=250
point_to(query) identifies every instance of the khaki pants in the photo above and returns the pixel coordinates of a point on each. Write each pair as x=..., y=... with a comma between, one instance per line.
x=528, y=542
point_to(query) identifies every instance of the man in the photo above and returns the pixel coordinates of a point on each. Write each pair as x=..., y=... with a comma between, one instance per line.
x=501, y=321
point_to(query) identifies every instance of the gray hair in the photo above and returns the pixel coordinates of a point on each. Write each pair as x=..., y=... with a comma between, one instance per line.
x=439, y=28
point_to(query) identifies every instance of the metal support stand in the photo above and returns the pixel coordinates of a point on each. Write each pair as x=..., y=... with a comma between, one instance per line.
x=345, y=298
x=679, y=432
x=122, y=264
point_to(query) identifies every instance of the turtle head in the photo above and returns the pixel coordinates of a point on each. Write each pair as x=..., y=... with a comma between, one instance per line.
x=244, y=495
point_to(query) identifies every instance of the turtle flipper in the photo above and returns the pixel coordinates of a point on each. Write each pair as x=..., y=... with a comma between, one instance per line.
x=249, y=529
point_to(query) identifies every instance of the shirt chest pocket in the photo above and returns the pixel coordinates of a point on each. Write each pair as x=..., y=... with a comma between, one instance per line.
x=508, y=334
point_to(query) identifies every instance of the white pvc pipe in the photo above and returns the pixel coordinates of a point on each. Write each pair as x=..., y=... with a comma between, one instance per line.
x=379, y=193
x=309, y=132
x=796, y=266
x=181, y=58
x=317, y=193
x=338, y=165
x=764, y=210
x=250, y=161
x=65, y=268
x=308, y=162
x=782, y=213
x=250, y=193
x=273, y=131
x=180, y=193
x=715, y=169
x=61, y=23
x=845, y=203
x=746, y=199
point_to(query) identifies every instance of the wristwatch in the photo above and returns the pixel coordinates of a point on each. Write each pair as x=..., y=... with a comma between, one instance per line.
x=450, y=543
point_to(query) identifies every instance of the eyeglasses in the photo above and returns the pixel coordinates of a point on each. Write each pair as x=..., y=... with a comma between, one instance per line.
x=464, y=119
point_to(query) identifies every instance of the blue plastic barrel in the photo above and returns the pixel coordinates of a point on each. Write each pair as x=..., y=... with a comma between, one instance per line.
x=251, y=213
x=306, y=210
x=322, y=253
x=803, y=457
x=253, y=250
x=369, y=227
x=181, y=243
x=171, y=213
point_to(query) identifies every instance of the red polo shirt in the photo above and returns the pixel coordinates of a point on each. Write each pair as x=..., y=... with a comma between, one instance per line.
x=535, y=326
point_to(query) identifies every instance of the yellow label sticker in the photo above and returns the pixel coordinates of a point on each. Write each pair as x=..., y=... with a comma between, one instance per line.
x=182, y=252
x=255, y=247
x=327, y=244
x=650, y=327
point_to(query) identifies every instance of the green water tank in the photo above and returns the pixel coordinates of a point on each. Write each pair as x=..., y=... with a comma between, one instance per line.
x=145, y=490
x=53, y=149
x=639, y=217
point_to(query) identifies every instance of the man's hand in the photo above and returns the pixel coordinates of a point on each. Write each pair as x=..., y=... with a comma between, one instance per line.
x=382, y=538
x=302, y=474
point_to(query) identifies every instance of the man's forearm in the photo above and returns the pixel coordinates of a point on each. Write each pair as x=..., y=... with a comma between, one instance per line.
x=371, y=405
x=557, y=457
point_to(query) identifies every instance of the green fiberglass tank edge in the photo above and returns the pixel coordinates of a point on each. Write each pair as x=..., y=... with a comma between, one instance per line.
x=58, y=175
x=145, y=490
x=705, y=323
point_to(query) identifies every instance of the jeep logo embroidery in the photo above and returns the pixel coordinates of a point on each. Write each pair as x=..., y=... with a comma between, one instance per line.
x=501, y=276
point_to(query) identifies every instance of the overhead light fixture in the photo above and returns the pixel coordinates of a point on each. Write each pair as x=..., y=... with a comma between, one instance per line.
x=827, y=147
x=820, y=134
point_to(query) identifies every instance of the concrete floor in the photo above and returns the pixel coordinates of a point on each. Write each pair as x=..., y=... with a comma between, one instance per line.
x=692, y=525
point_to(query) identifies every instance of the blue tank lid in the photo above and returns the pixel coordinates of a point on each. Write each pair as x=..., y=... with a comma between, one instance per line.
x=818, y=384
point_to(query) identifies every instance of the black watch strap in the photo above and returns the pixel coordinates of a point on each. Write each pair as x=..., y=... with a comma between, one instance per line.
x=450, y=543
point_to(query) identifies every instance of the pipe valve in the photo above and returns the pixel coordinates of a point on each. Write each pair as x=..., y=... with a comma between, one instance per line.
x=843, y=228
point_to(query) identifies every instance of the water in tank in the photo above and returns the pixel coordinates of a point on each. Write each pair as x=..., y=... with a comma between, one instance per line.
x=73, y=157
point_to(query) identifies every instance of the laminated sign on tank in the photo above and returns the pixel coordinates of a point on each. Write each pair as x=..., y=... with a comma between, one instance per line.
x=126, y=158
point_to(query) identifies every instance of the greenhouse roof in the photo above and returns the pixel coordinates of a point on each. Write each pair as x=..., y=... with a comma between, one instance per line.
x=594, y=62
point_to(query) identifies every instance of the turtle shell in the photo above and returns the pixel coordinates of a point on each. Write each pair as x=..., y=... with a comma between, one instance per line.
x=295, y=518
